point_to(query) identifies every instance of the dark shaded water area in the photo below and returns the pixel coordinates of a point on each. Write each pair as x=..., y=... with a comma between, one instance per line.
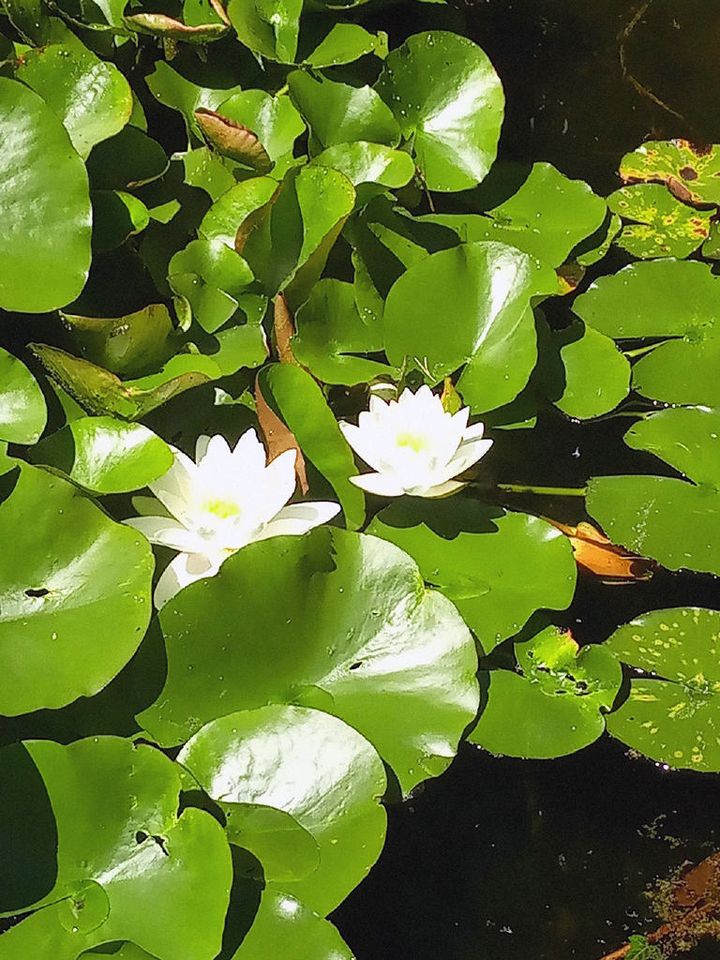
x=502, y=859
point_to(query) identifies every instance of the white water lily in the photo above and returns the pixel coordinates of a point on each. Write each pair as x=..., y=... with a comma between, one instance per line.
x=222, y=502
x=415, y=446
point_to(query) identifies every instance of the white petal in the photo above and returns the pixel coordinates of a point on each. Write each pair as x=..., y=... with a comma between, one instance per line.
x=365, y=442
x=461, y=418
x=166, y=532
x=438, y=490
x=186, y=568
x=278, y=485
x=474, y=431
x=377, y=404
x=468, y=454
x=298, y=518
x=175, y=488
x=381, y=484
x=201, y=447
x=249, y=451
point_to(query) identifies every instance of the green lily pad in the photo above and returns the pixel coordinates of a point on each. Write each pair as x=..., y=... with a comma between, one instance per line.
x=274, y=120
x=674, y=522
x=596, y=246
x=71, y=573
x=211, y=277
x=364, y=162
x=692, y=173
x=237, y=211
x=489, y=327
x=105, y=455
x=447, y=98
x=125, y=345
x=674, y=719
x=582, y=371
x=141, y=872
x=339, y=113
x=662, y=227
x=332, y=336
x=129, y=159
x=90, y=96
x=101, y=392
x=556, y=706
x=299, y=401
x=688, y=438
x=497, y=567
x=46, y=205
x=681, y=371
x=269, y=28
x=117, y=215
x=392, y=660
x=658, y=298
x=176, y=91
x=547, y=216
x=23, y=413
x=337, y=780
x=285, y=925
x=345, y=43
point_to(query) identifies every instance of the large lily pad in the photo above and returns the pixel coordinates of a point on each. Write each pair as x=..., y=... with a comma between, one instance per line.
x=378, y=651
x=91, y=97
x=46, y=206
x=556, y=706
x=688, y=438
x=497, y=567
x=71, y=574
x=682, y=370
x=469, y=305
x=448, y=99
x=547, y=216
x=674, y=719
x=337, y=778
x=128, y=868
x=23, y=412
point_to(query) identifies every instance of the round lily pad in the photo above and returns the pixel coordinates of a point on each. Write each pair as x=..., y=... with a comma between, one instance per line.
x=23, y=412
x=333, y=619
x=72, y=577
x=337, y=778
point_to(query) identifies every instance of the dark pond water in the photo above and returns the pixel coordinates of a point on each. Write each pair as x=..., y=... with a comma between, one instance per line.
x=514, y=860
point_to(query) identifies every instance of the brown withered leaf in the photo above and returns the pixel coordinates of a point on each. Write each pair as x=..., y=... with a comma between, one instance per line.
x=167, y=28
x=220, y=11
x=569, y=276
x=233, y=140
x=596, y=554
x=283, y=330
x=278, y=437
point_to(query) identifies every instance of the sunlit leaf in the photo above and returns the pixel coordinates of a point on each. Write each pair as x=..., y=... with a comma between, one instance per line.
x=692, y=173
x=268, y=27
x=23, y=412
x=345, y=43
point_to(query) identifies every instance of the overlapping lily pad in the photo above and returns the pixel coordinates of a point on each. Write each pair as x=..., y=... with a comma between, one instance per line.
x=71, y=572
x=662, y=226
x=251, y=758
x=23, y=413
x=378, y=651
x=127, y=866
x=555, y=706
x=673, y=714
x=497, y=567
x=691, y=172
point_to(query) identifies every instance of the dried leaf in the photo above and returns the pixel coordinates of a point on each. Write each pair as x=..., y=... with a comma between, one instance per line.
x=233, y=140
x=167, y=28
x=450, y=398
x=284, y=330
x=277, y=437
x=596, y=554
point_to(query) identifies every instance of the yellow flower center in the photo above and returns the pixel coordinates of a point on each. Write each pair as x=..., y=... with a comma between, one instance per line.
x=222, y=509
x=415, y=441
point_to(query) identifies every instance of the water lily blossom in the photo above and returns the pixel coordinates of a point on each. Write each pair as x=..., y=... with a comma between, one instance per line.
x=414, y=445
x=220, y=503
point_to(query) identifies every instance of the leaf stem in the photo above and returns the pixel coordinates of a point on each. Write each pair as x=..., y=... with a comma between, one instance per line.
x=282, y=90
x=639, y=351
x=543, y=491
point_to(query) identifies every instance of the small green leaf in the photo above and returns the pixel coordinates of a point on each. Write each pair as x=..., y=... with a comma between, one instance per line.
x=105, y=455
x=339, y=113
x=364, y=162
x=555, y=706
x=345, y=43
x=91, y=97
x=117, y=215
x=268, y=27
x=127, y=160
x=23, y=413
x=46, y=206
x=447, y=98
x=174, y=90
x=211, y=277
x=125, y=345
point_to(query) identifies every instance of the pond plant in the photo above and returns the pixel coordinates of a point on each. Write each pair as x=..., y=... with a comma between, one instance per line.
x=263, y=220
